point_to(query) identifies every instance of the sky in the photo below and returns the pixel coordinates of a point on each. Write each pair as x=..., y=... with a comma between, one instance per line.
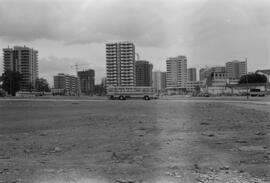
x=68, y=32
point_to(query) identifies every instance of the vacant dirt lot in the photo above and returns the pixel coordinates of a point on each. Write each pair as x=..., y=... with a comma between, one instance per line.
x=134, y=141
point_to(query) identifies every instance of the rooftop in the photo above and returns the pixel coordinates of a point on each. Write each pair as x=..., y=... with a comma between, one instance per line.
x=265, y=71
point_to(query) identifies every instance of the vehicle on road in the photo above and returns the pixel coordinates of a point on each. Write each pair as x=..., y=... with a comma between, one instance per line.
x=124, y=92
x=256, y=92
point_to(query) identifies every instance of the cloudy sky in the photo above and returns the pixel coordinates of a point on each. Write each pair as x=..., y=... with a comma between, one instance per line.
x=208, y=32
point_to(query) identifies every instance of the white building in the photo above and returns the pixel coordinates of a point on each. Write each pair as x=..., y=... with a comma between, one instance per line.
x=176, y=74
x=235, y=69
x=120, y=64
x=159, y=81
x=70, y=85
x=194, y=85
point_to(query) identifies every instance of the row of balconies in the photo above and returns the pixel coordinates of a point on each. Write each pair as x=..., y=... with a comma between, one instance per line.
x=126, y=70
x=127, y=64
x=126, y=48
x=111, y=67
x=127, y=76
x=111, y=72
x=111, y=63
x=126, y=53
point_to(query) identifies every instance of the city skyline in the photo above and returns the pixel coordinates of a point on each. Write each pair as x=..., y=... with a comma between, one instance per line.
x=207, y=32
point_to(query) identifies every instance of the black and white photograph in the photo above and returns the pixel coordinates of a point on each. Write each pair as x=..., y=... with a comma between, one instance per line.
x=134, y=91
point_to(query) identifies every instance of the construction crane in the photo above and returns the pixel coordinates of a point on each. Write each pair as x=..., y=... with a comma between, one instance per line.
x=77, y=67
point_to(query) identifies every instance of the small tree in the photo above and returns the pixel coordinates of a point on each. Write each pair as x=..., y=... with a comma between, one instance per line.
x=42, y=85
x=11, y=82
x=253, y=78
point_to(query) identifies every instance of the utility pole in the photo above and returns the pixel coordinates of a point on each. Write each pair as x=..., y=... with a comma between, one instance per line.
x=247, y=82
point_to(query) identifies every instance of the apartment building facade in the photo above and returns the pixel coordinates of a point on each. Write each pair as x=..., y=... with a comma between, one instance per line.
x=25, y=61
x=191, y=74
x=176, y=72
x=235, y=69
x=120, y=64
x=143, y=73
x=159, y=81
x=67, y=84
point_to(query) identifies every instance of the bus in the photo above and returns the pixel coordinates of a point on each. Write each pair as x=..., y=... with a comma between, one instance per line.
x=124, y=92
x=256, y=92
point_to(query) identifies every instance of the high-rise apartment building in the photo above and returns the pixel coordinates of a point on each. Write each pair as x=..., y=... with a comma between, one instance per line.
x=120, y=64
x=143, y=73
x=87, y=81
x=70, y=85
x=235, y=69
x=176, y=72
x=25, y=61
x=192, y=74
x=159, y=80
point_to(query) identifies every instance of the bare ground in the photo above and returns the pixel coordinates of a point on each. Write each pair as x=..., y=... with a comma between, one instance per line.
x=134, y=141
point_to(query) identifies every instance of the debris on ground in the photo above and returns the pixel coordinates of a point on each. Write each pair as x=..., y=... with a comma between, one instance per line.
x=241, y=141
x=173, y=174
x=56, y=149
x=124, y=181
x=260, y=133
x=225, y=168
x=205, y=123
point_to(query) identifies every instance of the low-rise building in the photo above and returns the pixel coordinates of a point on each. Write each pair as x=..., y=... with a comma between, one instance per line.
x=194, y=86
x=68, y=84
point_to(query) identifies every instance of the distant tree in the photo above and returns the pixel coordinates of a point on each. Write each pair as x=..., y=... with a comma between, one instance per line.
x=42, y=85
x=253, y=78
x=11, y=82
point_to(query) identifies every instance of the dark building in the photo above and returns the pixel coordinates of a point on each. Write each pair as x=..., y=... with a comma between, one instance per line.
x=87, y=80
x=143, y=73
x=191, y=74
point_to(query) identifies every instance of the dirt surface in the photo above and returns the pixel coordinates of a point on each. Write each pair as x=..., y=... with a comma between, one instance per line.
x=134, y=141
